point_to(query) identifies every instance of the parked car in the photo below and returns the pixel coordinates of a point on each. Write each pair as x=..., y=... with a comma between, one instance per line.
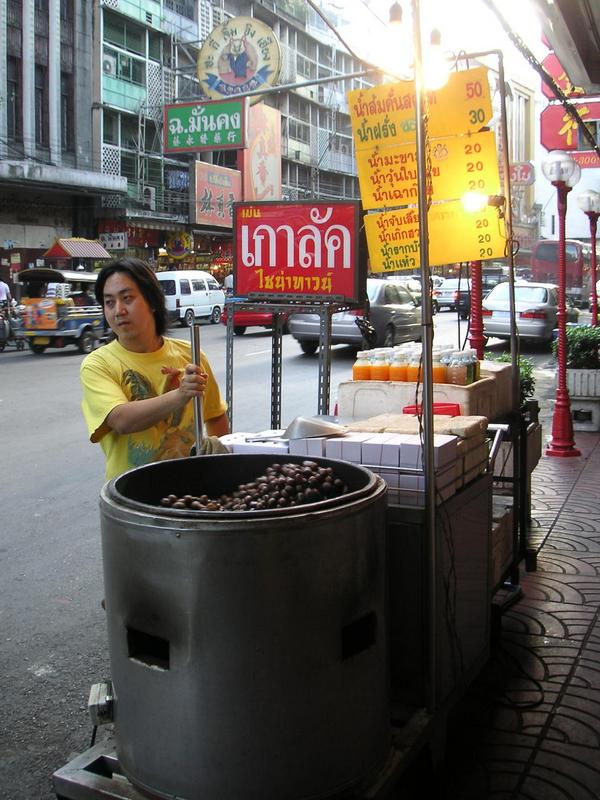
x=190, y=294
x=454, y=294
x=413, y=284
x=393, y=313
x=249, y=319
x=536, y=306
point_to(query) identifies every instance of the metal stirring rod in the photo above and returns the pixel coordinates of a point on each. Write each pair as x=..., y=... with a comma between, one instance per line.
x=198, y=421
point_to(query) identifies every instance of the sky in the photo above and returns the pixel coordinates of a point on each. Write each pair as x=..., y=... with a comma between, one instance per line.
x=465, y=25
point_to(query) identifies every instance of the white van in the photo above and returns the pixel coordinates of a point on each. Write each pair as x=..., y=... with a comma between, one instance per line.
x=190, y=294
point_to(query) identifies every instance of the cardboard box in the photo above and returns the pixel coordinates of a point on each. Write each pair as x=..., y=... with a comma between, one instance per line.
x=372, y=449
x=352, y=447
x=236, y=443
x=298, y=447
x=363, y=399
x=316, y=446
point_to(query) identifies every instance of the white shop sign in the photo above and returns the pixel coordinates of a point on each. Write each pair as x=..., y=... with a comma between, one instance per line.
x=113, y=241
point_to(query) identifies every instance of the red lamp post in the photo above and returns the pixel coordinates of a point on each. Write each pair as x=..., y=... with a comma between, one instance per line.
x=476, y=338
x=563, y=173
x=589, y=203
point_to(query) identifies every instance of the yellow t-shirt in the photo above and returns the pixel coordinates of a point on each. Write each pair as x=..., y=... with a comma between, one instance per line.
x=113, y=375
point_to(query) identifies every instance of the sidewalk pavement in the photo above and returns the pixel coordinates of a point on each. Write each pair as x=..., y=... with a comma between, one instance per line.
x=529, y=727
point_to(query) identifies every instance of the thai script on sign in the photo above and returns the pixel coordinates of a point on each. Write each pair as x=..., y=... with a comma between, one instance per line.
x=306, y=248
x=202, y=126
x=311, y=245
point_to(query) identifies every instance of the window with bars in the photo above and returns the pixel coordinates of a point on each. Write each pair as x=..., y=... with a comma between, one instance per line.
x=183, y=7
x=13, y=98
x=67, y=112
x=299, y=131
x=41, y=105
x=124, y=34
x=593, y=127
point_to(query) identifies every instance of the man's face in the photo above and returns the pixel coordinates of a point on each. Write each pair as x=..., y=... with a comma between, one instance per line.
x=129, y=314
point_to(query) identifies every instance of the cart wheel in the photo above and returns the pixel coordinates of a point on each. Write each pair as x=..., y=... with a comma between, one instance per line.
x=38, y=349
x=20, y=344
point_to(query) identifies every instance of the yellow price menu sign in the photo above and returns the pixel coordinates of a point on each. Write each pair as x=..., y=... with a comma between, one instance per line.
x=454, y=235
x=458, y=164
x=386, y=114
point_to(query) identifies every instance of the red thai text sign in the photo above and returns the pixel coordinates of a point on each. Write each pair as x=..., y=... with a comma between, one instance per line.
x=305, y=248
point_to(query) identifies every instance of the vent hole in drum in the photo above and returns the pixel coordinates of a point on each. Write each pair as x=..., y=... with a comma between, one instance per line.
x=359, y=635
x=150, y=650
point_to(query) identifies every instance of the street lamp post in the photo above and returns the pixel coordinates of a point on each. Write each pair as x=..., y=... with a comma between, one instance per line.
x=563, y=172
x=589, y=203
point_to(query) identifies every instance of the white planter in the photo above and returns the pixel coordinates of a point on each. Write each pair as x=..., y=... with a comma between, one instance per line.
x=583, y=382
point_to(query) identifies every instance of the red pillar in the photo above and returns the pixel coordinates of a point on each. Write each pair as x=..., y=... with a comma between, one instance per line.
x=593, y=217
x=562, y=443
x=476, y=338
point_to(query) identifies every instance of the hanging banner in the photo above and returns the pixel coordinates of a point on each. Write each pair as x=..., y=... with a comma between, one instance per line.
x=454, y=235
x=215, y=125
x=306, y=249
x=260, y=162
x=385, y=114
x=241, y=55
x=459, y=164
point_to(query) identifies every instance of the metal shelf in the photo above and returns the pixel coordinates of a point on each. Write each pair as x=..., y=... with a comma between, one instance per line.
x=325, y=310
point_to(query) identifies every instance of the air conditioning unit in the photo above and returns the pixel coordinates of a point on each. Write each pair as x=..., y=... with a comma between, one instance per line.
x=109, y=65
x=149, y=197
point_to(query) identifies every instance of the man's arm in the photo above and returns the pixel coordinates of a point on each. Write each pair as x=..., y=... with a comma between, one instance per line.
x=218, y=426
x=138, y=415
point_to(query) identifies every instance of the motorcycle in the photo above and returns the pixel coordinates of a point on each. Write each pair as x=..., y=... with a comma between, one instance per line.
x=11, y=327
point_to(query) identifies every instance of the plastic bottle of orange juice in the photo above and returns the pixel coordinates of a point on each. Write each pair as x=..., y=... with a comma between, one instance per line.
x=361, y=369
x=439, y=369
x=380, y=369
x=398, y=366
x=414, y=371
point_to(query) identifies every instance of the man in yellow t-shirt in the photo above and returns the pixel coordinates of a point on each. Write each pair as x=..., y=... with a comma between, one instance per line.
x=137, y=389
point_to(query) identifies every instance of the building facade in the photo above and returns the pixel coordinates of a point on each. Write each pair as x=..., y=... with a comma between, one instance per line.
x=49, y=179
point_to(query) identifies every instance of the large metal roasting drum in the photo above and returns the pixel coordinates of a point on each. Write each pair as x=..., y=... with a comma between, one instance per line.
x=248, y=649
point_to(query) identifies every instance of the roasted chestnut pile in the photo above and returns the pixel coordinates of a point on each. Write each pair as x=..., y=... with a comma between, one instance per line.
x=282, y=486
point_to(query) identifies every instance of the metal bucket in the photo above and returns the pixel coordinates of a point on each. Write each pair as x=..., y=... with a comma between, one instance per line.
x=248, y=649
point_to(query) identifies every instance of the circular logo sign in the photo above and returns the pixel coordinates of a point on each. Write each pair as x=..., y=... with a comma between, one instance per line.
x=241, y=55
x=179, y=244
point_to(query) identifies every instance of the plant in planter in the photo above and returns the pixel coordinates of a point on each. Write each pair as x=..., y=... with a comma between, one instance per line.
x=583, y=347
x=583, y=361
x=526, y=378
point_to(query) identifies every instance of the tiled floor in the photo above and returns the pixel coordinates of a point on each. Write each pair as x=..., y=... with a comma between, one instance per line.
x=529, y=728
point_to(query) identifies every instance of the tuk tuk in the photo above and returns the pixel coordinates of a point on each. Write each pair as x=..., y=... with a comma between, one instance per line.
x=59, y=308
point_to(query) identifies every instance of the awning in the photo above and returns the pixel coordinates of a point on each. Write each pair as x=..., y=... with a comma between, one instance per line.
x=77, y=248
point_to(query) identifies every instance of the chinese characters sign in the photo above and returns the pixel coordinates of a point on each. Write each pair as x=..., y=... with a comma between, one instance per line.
x=385, y=114
x=216, y=125
x=559, y=131
x=459, y=164
x=241, y=55
x=216, y=189
x=454, y=235
x=306, y=249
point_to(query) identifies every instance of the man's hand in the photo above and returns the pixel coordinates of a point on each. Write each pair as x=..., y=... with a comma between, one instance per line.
x=193, y=381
